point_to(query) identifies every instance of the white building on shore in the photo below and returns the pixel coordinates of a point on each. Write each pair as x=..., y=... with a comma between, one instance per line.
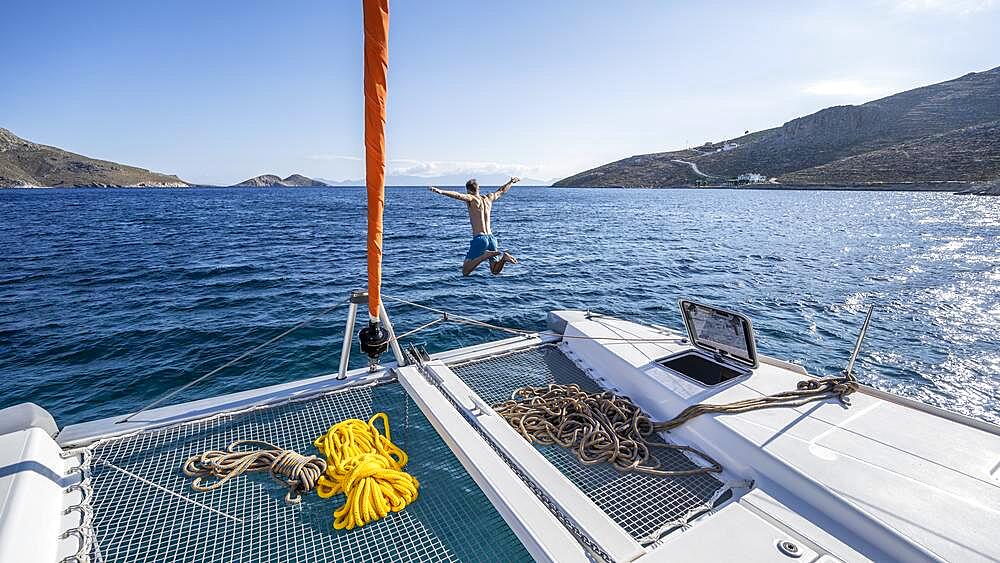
x=751, y=178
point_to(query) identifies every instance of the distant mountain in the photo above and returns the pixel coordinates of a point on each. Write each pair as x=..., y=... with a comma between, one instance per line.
x=299, y=180
x=447, y=180
x=23, y=163
x=272, y=180
x=341, y=183
x=943, y=132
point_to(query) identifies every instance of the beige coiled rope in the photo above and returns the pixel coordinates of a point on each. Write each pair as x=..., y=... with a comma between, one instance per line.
x=297, y=472
x=599, y=427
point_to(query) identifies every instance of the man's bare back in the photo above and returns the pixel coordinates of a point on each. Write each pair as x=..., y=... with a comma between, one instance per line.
x=480, y=209
x=484, y=245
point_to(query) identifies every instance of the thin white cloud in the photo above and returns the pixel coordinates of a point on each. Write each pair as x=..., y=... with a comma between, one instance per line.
x=956, y=7
x=854, y=89
x=333, y=157
x=432, y=168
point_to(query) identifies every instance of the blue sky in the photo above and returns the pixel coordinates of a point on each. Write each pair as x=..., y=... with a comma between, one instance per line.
x=220, y=91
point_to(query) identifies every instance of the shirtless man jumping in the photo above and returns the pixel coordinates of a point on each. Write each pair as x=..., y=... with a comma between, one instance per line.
x=484, y=243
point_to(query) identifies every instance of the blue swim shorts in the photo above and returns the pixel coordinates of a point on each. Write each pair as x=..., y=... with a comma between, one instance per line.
x=480, y=244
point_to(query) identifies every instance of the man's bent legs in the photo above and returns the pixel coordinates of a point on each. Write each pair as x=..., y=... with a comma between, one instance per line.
x=497, y=266
x=469, y=265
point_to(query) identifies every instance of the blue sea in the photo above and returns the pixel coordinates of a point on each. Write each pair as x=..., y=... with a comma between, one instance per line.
x=109, y=298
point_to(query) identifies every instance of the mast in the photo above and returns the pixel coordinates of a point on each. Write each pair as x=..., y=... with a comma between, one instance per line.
x=374, y=339
x=376, y=22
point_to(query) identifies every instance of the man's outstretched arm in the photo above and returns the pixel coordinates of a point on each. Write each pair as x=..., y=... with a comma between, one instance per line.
x=453, y=195
x=503, y=189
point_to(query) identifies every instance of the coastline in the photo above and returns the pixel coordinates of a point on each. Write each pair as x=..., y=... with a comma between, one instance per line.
x=217, y=187
x=939, y=187
x=936, y=187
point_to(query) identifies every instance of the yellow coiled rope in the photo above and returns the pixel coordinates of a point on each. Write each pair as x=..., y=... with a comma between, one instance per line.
x=367, y=467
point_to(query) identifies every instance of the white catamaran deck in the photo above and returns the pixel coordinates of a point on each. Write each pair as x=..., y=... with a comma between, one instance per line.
x=894, y=478
x=885, y=479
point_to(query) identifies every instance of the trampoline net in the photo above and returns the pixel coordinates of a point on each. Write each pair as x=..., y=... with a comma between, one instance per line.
x=144, y=509
x=643, y=505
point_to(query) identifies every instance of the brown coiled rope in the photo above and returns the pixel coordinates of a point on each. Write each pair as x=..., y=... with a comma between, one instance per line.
x=599, y=427
x=295, y=471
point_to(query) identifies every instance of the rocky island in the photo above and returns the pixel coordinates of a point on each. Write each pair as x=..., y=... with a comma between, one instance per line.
x=939, y=137
x=273, y=180
x=24, y=163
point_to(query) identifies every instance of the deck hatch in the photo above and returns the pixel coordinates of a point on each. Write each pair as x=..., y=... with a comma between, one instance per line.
x=725, y=334
x=641, y=504
x=704, y=370
x=151, y=519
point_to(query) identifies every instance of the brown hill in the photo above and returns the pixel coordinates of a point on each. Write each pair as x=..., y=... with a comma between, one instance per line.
x=807, y=149
x=23, y=163
x=970, y=154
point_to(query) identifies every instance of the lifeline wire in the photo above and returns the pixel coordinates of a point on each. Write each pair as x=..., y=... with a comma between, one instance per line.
x=806, y=391
x=446, y=316
x=230, y=362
